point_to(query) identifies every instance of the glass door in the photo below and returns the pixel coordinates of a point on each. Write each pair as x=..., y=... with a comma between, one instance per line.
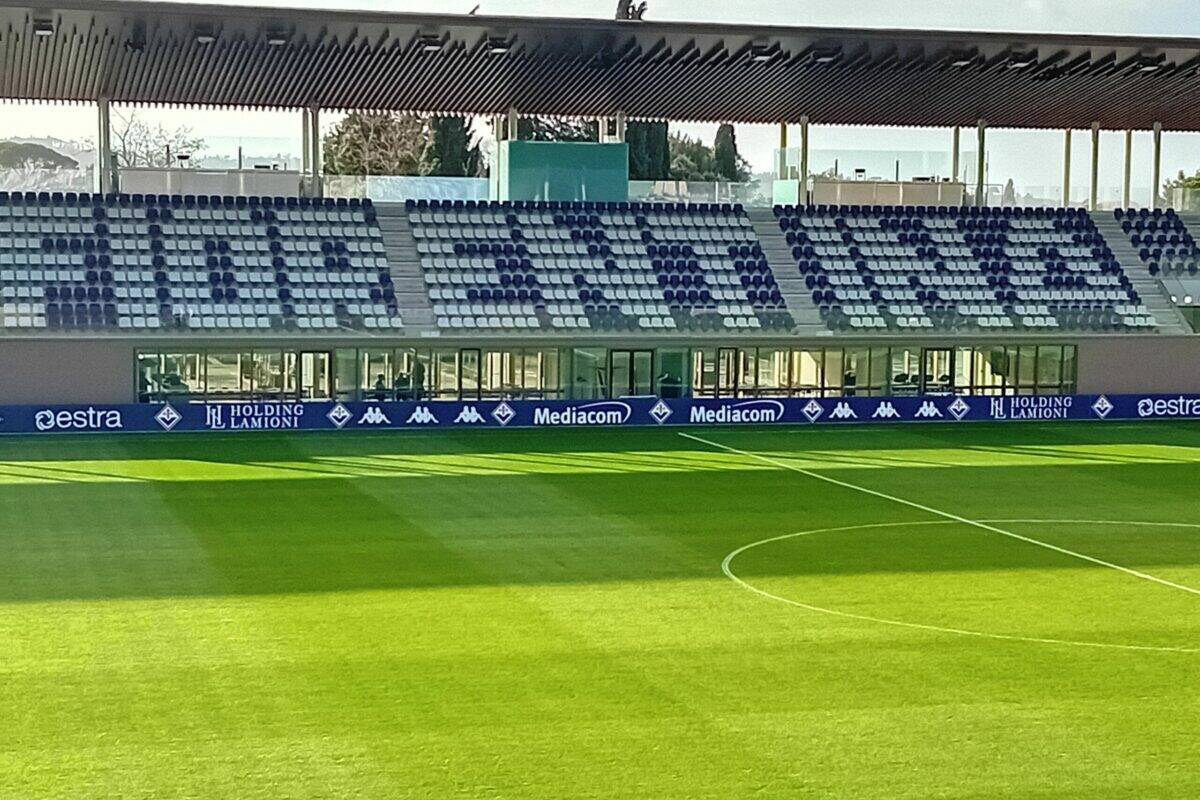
x=727, y=372
x=468, y=374
x=939, y=369
x=315, y=380
x=631, y=372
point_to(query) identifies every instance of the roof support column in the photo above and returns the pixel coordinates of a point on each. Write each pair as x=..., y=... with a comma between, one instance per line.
x=781, y=171
x=1095, y=187
x=980, y=160
x=955, y=139
x=1128, y=169
x=315, y=187
x=804, y=159
x=305, y=146
x=1066, y=168
x=1156, y=172
x=104, y=156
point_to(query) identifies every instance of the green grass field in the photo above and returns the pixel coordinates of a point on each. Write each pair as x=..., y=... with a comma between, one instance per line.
x=544, y=614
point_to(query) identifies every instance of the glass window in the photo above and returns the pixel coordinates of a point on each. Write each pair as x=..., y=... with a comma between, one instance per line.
x=906, y=371
x=503, y=375
x=421, y=378
x=835, y=374
x=855, y=369
x=225, y=375
x=589, y=373
x=149, y=368
x=182, y=374
x=727, y=372
x=375, y=373
x=964, y=358
x=808, y=367
x=747, y=373
x=672, y=373
x=937, y=371
x=1049, y=369
x=445, y=377
x=468, y=361
x=1027, y=369
x=345, y=375
x=268, y=373
x=704, y=373
x=880, y=366
x=1068, y=370
x=541, y=374
x=773, y=372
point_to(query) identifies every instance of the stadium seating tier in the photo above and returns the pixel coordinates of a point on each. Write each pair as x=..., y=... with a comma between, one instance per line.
x=157, y=263
x=878, y=268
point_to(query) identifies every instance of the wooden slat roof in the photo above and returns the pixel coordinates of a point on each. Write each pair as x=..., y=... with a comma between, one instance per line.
x=181, y=54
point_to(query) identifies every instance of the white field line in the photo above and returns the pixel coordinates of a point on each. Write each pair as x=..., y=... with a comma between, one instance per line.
x=948, y=515
x=727, y=568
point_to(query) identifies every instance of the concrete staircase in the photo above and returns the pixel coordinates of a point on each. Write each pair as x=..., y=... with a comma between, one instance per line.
x=787, y=275
x=1169, y=318
x=405, y=264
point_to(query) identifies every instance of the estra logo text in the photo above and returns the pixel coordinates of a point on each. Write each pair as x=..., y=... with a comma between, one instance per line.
x=82, y=419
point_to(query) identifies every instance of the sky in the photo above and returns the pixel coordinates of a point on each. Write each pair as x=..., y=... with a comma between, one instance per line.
x=1029, y=158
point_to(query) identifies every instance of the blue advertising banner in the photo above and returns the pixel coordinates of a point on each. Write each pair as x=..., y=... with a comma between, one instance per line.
x=652, y=411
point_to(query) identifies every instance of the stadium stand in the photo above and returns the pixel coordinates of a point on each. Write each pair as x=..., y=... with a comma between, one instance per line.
x=881, y=268
x=1161, y=240
x=595, y=266
x=159, y=263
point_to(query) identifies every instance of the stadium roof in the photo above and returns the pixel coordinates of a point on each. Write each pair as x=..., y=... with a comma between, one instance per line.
x=83, y=50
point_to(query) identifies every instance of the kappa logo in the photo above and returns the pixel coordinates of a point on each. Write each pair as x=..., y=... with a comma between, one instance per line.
x=929, y=410
x=421, y=416
x=886, y=411
x=843, y=411
x=374, y=416
x=469, y=416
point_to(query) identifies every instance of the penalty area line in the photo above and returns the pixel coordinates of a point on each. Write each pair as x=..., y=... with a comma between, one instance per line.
x=945, y=515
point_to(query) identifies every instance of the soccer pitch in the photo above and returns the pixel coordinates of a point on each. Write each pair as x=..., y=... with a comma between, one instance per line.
x=910, y=612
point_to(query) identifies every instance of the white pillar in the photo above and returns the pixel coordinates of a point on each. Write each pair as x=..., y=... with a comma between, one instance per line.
x=315, y=187
x=512, y=120
x=621, y=125
x=1095, y=187
x=1125, y=189
x=1156, y=172
x=804, y=159
x=1067, y=168
x=781, y=171
x=305, y=145
x=955, y=133
x=980, y=161
x=104, y=156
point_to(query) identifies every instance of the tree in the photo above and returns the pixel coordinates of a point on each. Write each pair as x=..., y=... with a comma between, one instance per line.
x=649, y=151
x=452, y=150
x=137, y=143
x=545, y=129
x=19, y=155
x=378, y=143
x=726, y=161
x=692, y=160
x=1009, y=196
